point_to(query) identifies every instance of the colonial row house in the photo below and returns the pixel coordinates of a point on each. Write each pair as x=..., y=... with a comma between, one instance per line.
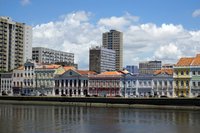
x=72, y=82
x=44, y=79
x=163, y=83
x=187, y=77
x=6, y=84
x=106, y=84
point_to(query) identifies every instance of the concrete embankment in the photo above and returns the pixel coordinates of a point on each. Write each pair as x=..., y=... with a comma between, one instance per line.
x=159, y=103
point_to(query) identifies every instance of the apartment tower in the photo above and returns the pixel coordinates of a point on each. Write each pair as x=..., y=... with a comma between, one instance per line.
x=101, y=59
x=51, y=56
x=15, y=43
x=114, y=40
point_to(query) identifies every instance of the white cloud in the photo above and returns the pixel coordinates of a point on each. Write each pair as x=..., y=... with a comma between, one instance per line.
x=25, y=2
x=168, y=52
x=74, y=32
x=118, y=22
x=196, y=13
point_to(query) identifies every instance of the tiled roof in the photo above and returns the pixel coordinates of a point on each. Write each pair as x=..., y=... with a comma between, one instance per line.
x=85, y=72
x=164, y=71
x=185, y=62
x=193, y=61
x=51, y=66
x=111, y=73
x=20, y=68
x=69, y=67
x=196, y=61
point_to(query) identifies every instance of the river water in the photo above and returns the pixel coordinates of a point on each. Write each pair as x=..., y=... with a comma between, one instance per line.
x=73, y=119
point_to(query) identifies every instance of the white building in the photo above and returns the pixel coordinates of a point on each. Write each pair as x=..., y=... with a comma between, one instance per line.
x=163, y=83
x=6, y=84
x=50, y=56
x=18, y=80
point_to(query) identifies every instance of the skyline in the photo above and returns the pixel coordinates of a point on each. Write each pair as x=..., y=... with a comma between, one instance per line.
x=152, y=31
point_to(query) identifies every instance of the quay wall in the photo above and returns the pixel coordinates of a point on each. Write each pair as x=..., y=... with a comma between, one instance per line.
x=108, y=101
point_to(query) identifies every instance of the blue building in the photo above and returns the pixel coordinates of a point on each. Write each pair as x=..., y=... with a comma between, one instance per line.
x=132, y=69
x=163, y=83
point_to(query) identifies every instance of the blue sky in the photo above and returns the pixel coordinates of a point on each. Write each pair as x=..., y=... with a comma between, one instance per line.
x=153, y=29
x=155, y=11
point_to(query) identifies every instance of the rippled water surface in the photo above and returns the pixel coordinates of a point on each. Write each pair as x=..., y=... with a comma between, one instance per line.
x=72, y=119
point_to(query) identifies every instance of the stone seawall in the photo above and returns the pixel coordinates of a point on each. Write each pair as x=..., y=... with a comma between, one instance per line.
x=193, y=103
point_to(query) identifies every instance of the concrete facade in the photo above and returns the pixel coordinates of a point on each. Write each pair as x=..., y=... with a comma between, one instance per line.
x=50, y=56
x=15, y=43
x=132, y=69
x=149, y=67
x=114, y=40
x=101, y=59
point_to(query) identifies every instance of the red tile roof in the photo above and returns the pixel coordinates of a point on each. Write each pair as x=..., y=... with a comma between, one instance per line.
x=51, y=66
x=164, y=71
x=185, y=62
x=196, y=61
x=69, y=67
x=111, y=73
x=85, y=72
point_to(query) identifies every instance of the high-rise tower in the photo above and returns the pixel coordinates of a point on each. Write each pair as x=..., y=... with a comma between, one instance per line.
x=15, y=43
x=114, y=40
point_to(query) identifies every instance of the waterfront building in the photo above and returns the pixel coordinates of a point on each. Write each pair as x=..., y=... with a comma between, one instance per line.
x=18, y=80
x=163, y=83
x=101, y=59
x=132, y=69
x=129, y=85
x=49, y=56
x=195, y=76
x=15, y=43
x=144, y=85
x=6, y=84
x=182, y=77
x=149, y=67
x=72, y=82
x=28, y=87
x=114, y=40
x=44, y=78
x=107, y=84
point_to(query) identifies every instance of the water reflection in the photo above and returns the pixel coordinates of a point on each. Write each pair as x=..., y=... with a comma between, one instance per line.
x=59, y=119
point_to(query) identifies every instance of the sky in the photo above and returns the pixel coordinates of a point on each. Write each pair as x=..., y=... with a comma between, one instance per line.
x=152, y=29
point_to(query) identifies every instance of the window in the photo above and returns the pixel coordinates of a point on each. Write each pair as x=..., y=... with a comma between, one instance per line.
x=182, y=72
x=198, y=83
x=187, y=73
x=187, y=83
x=182, y=83
x=165, y=83
x=194, y=83
x=176, y=72
x=198, y=72
x=193, y=72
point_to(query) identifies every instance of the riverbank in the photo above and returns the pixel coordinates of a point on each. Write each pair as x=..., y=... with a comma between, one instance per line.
x=152, y=103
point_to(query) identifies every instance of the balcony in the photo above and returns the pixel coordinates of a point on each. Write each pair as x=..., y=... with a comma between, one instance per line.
x=181, y=87
x=182, y=76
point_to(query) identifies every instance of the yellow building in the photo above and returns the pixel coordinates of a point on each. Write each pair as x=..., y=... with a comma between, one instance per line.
x=182, y=77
